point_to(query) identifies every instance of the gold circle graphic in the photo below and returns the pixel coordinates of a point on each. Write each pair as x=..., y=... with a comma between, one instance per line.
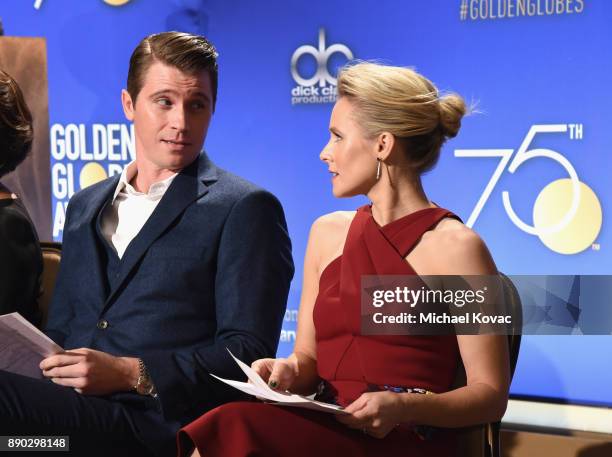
x=553, y=203
x=116, y=2
x=91, y=173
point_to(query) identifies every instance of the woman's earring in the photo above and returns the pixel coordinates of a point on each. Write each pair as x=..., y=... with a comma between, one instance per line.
x=378, y=168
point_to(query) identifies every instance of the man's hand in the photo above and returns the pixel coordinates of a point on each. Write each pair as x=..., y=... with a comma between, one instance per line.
x=91, y=372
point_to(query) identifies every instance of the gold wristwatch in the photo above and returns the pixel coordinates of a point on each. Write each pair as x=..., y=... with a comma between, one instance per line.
x=144, y=385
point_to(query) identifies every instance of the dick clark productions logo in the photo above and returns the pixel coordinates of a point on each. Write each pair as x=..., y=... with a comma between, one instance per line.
x=321, y=87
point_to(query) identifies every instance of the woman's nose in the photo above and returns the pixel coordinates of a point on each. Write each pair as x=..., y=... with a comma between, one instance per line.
x=325, y=154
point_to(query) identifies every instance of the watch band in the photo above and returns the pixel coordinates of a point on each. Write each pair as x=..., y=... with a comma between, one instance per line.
x=144, y=384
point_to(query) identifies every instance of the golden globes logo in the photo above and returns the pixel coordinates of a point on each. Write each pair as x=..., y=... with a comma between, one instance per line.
x=567, y=215
x=84, y=155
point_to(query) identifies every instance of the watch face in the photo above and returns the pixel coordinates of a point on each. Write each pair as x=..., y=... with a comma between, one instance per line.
x=144, y=387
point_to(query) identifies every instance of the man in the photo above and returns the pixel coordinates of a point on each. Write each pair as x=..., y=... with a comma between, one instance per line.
x=163, y=268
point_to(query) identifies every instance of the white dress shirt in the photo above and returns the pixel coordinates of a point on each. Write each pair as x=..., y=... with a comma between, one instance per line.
x=127, y=213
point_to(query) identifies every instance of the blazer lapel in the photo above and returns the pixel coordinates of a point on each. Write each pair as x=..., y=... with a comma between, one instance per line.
x=100, y=198
x=190, y=184
x=90, y=219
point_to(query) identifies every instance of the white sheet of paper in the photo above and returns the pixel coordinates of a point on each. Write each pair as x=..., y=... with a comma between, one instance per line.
x=259, y=388
x=23, y=346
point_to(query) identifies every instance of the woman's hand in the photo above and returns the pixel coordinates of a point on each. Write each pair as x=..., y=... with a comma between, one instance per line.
x=278, y=373
x=375, y=413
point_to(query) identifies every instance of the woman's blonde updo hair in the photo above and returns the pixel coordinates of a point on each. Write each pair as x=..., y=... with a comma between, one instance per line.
x=401, y=101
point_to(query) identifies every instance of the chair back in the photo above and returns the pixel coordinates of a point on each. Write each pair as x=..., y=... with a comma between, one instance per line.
x=52, y=254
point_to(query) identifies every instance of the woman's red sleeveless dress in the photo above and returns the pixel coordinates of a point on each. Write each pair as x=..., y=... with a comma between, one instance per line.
x=349, y=363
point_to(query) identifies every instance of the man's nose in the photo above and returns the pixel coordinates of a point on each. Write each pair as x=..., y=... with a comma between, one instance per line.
x=178, y=118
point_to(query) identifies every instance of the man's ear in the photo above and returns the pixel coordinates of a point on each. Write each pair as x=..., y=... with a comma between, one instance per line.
x=384, y=145
x=128, y=105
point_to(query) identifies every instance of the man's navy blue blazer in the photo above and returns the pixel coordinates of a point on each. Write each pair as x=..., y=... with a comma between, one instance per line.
x=209, y=270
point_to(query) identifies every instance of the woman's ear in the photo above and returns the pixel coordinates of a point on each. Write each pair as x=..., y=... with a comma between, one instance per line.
x=384, y=145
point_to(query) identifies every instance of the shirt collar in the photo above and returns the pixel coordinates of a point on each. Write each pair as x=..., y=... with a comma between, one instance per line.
x=156, y=191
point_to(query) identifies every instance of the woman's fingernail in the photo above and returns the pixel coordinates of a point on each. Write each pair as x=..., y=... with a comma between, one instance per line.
x=273, y=384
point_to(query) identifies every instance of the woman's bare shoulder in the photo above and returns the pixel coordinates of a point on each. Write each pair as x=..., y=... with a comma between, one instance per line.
x=457, y=249
x=328, y=234
x=331, y=229
x=336, y=221
x=449, y=231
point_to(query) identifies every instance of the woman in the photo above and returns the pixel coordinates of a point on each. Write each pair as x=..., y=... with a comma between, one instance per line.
x=20, y=255
x=387, y=129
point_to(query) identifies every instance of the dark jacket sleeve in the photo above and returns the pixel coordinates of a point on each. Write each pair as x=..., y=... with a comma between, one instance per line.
x=61, y=311
x=254, y=270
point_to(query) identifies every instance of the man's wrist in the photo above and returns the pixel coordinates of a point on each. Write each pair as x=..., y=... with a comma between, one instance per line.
x=131, y=372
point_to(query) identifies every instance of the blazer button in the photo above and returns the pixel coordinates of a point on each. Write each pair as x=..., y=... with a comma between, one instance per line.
x=102, y=324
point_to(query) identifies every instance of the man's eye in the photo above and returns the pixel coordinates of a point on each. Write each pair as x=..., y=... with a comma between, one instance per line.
x=163, y=102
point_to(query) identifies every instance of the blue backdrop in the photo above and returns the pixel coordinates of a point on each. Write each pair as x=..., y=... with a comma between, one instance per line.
x=529, y=65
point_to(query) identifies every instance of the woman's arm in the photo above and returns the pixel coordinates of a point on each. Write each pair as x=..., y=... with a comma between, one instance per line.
x=482, y=399
x=485, y=357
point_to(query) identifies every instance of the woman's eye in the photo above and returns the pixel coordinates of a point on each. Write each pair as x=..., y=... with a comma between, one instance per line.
x=336, y=138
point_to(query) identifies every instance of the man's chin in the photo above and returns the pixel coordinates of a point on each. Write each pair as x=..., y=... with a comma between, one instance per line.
x=179, y=161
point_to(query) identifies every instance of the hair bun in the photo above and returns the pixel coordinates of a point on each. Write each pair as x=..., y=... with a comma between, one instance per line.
x=452, y=109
